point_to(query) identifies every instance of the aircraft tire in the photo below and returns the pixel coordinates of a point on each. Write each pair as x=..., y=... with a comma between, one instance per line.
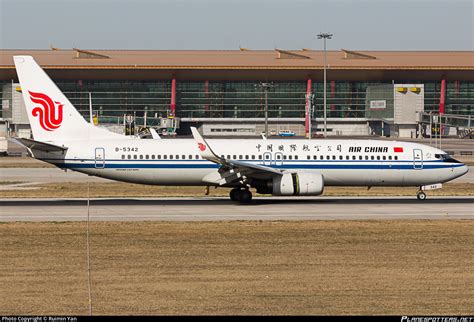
x=245, y=196
x=421, y=195
x=234, y=194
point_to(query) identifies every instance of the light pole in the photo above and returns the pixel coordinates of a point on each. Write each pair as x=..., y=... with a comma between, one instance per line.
x=324, y=36
x=265, y=87
x=309, y=99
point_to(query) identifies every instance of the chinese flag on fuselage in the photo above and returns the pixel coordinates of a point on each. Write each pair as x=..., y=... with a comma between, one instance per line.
x=397, y=149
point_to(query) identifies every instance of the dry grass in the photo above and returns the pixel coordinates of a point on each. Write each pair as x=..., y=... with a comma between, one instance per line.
x=117, y=189
x=7, y=183
x=319, y=267
x=23, y=162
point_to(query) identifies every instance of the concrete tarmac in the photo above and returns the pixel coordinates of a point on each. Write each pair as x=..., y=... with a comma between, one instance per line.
x=222, y=209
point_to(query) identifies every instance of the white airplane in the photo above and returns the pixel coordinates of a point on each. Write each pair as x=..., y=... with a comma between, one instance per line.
x=281, y=167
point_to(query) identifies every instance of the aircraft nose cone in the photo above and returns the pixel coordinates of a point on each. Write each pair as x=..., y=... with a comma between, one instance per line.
x=460, y=171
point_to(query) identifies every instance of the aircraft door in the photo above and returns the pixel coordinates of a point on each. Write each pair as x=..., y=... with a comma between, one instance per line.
x=417, y=159
x=267, y=158
x=99, y=158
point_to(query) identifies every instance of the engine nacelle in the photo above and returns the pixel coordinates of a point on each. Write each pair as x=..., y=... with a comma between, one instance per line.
x=298, y=184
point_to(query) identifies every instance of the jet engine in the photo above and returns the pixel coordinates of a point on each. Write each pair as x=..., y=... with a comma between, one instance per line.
x=298, y=184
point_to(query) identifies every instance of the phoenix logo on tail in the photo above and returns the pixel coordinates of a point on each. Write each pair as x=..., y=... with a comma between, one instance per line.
x=201, y=146
x=50, y=116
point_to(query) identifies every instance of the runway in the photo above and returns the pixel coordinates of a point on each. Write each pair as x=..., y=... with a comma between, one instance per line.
x=222, y=209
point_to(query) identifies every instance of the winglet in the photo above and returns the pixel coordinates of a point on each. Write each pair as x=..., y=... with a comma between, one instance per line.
x=203, y=147
x=154, y=134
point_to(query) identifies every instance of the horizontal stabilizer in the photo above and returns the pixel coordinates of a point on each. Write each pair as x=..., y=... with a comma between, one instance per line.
x=41, y=146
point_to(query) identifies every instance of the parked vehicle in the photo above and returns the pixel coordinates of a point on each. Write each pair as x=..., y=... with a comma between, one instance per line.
x=286, y=133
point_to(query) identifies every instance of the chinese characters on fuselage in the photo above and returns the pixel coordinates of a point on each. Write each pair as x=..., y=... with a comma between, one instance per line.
x=318, y=148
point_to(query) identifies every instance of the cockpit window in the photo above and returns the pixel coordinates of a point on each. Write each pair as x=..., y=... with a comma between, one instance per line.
x=446, y=158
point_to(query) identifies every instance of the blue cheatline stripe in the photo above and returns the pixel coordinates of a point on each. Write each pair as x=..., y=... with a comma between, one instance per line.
x=215, y=166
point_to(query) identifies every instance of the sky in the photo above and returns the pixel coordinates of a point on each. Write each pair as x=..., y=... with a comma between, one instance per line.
x=230, y=24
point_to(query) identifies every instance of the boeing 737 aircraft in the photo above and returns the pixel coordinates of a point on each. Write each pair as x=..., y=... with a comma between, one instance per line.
x=284, y=167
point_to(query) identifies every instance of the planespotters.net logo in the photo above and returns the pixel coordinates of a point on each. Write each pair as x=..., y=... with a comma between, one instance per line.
x=437, y=319
x=49, y=113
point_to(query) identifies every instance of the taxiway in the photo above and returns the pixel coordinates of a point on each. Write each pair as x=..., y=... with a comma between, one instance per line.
x=222, y=209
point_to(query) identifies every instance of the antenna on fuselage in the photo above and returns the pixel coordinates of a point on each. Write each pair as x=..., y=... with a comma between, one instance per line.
x=91, y=119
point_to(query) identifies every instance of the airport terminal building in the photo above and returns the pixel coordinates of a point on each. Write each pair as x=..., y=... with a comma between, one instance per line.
x=389, y=93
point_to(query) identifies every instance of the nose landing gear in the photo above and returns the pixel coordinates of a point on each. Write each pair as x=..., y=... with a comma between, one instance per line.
x=240, y=195
x=421, y=195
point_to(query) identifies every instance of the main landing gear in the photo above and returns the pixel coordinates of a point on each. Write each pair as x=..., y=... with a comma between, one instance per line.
x=241, y=195
x=421, y=195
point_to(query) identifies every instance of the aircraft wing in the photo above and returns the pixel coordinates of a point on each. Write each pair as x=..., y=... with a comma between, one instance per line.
x=231, y=170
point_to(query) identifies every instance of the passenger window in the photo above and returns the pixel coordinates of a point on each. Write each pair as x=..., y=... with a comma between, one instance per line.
x=123, y=156
x=390, y=157
x=372, y=157
x=340, y=157
x=135, y=156
x=284, y=157
x=353, y=157
x=260, y=157
x=360, y=157
x=129, y=156
x=328, y=157
x=378, y=157
x=153, y=156
x=321, y=157
x=165, y=156
x=190, y=157
x=240, y=157
x=147, y=156
x=347, y=157
x=278, y=156
x=334, y=157
x=367, y=157
x=384, y=157
x=177, y=157
x=171, y=157
x=308, y=157
x=246, y=157
x=253, y=157
x=141, y=156
x=396, y=157
x=315, y=157
x=296, y=157
x=184, y=157
x=197, y=156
